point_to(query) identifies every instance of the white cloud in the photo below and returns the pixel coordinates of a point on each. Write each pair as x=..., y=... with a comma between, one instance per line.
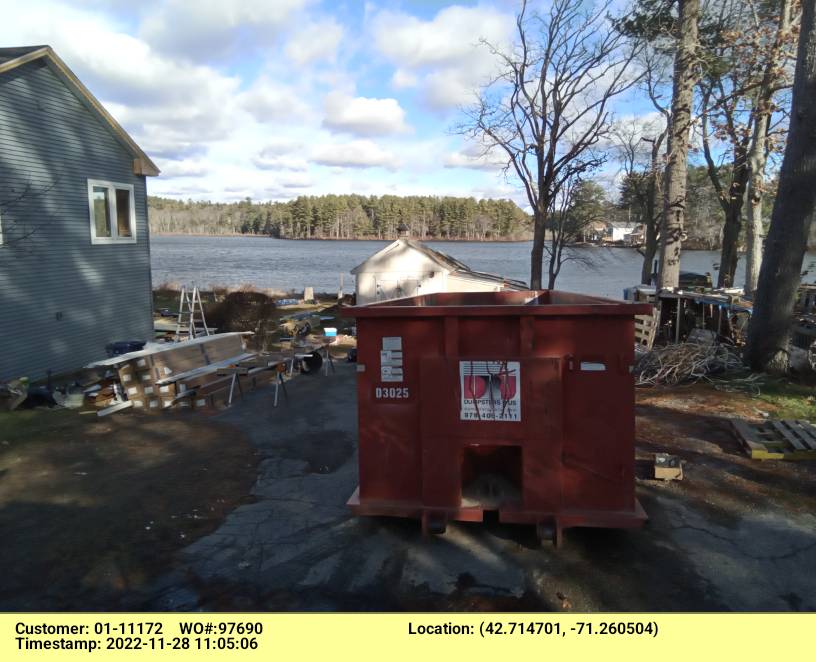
x=315, y=42
x=474, y=157
x=442, y=55
x=207, y=29
x=296, y=180
x=270, y=101
x=183, y=168
x=354, y=154
x=362, y=116
x=403, y=79
x=280, y=155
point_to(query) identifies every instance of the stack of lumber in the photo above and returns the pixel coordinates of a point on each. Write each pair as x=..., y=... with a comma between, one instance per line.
x=201, y=373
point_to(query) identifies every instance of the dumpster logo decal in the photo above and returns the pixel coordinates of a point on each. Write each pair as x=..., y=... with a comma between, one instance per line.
x=491, y=390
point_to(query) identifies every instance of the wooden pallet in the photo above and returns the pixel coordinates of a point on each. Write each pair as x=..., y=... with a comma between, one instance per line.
x=777, y=440
x=645, y=329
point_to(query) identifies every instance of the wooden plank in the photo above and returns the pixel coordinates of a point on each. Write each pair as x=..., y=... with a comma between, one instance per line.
x=205, y=369
x=233, y=370
x=782, y=428
x=746, y=432
x=808, y=433
x=119, y=406
x=754, y=447
x=165, y=347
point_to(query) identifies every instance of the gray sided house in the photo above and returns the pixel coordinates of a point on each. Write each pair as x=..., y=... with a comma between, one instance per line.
x=74, y=244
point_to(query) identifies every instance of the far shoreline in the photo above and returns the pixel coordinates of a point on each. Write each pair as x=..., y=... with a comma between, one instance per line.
x=266, y=236
x=372, y=239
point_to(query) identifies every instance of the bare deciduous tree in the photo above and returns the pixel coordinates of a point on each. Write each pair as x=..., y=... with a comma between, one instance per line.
x=549, y=107
x=744, y=69
x=639, y=151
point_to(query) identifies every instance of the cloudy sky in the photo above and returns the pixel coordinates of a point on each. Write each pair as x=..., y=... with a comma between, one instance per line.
x=276, y=98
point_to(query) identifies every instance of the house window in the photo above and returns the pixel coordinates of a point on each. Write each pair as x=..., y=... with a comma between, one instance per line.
x=113, y=212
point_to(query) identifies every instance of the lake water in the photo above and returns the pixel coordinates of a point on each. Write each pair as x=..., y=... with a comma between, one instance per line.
x=292, y=265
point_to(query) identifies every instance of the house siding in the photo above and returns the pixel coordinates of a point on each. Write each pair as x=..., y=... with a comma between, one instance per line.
x=62, y=298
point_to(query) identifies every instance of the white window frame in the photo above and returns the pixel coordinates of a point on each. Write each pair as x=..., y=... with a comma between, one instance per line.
x=112, y=186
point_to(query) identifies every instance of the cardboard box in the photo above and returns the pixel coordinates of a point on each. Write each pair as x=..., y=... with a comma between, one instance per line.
x=667, y=467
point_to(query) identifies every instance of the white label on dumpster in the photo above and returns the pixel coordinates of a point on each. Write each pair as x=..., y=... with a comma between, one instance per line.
x=490, y=390
x=389, y=357
x=390, y=374
x=392, y=343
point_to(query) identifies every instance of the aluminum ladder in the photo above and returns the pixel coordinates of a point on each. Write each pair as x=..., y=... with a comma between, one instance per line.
x=191, y=322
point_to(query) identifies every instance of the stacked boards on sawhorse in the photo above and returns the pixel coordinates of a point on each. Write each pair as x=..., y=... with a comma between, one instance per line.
x=776, y=439
x=201, y=373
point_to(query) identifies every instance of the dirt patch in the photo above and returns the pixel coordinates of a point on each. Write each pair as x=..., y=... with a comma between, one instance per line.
x=99, y=506
x=692, y=422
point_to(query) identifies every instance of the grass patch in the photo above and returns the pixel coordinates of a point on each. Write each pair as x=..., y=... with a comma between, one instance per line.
x=781, y=397
x=789, y=399
x=27, y=425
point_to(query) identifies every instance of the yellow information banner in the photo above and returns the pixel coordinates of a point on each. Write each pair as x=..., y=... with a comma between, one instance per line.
x=416, y=637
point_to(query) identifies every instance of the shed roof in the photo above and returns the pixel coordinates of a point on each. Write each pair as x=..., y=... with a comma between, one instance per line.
x=11, y=58
x=445, y=261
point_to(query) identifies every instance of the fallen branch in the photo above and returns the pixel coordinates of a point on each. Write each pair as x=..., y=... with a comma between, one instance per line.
x=686, y=362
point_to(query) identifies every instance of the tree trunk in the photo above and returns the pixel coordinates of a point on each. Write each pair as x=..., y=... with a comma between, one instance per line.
x=753, y=231
x=554, y=263
x=649, y=252
x=793, y=211
x=652, y=222
x=729, y=253
x=537, y=253
x=674, y=201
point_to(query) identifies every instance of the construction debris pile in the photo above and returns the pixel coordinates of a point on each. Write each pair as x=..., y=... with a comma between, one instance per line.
x=200, y=373
x=685, y=362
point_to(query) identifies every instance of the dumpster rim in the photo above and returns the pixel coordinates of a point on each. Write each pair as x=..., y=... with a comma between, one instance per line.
x=594, y=306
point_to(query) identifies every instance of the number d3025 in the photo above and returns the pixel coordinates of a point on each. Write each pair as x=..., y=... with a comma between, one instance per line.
x=391, y=393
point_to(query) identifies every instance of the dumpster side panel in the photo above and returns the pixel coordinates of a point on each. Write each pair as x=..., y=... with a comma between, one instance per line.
x=389, y=450
x=599, y=416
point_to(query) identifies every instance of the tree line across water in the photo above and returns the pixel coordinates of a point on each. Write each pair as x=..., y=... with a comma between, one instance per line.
x=371, y=217
x=345, y=217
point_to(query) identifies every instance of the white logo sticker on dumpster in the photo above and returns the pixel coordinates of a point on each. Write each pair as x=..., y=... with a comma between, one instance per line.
x=491, y=390
x=391, y=359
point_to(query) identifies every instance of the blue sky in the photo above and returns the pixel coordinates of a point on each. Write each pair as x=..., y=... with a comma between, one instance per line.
x=277, y=98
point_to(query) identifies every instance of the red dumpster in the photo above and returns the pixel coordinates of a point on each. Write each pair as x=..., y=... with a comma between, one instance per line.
x=516, y=402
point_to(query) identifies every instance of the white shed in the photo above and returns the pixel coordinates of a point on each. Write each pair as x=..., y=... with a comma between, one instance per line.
x=407, y=268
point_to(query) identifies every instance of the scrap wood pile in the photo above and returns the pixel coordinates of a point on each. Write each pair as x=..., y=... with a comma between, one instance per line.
x=685, y=362
x=201, y=373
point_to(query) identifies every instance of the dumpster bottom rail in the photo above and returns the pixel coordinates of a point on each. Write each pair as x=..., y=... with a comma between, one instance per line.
x=548, y=525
